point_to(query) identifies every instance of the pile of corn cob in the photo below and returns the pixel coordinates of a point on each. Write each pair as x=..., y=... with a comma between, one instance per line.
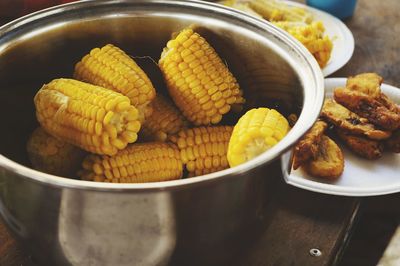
x=134, y=134
x=295, y=20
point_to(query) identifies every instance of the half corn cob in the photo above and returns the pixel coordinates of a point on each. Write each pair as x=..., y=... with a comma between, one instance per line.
x=53, y=156
x=112, y=68
x=165, y=120
x=274, y=10
x=256, y=131
x=312, y=37
x=240, y=5
x=94, y=118
x=198, y=81
x=138, y=163
x=203, y=149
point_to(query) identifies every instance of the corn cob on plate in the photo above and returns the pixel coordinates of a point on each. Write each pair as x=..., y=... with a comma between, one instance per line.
x=312, y=37
x=342, y=41
x=275, y=10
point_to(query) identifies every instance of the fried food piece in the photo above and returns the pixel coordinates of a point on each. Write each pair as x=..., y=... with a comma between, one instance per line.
x=368, y=83
x=307, y=147
x=389, y=104
x=362, y=146
x=393, y=143
x=292, y=119
x=342, y=117
x=368, y=107
x=329, y=162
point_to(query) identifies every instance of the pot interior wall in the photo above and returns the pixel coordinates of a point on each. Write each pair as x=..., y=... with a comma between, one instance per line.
x=47, y=48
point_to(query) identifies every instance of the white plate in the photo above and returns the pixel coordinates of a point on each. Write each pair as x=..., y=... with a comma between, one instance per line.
x=361, y=177
x=342, y=38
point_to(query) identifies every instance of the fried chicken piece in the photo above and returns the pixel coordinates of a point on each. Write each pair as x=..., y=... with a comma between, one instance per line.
x=343, y=118
x=368, y=83
x=329, y=162
x=389, y=104
x=393, y=143
x=368, y=107
x=307, y=147
x=362, y=146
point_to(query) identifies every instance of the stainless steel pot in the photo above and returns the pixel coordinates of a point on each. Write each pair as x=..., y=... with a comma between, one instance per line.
x=202, y=220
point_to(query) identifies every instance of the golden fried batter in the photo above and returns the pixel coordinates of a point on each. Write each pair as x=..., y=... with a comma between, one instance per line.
x=329, y=162
x=307, y=147
x=368, y=107
x=341, y=117
x=389, y=104
x=393, y=143
x=368, y=83
x=362, y=146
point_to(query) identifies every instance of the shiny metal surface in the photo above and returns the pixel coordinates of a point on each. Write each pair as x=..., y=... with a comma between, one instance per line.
x=199, y=220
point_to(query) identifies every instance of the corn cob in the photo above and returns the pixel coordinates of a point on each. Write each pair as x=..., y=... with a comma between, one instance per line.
x=273, y=10
x=256, y=131
x=53, y=156
x=165, y=120
x=312, y=37
x=96, y=119
x=138, y=163
x=203, y=149
x=112, y=68
x=198, y=81
x=242, y=6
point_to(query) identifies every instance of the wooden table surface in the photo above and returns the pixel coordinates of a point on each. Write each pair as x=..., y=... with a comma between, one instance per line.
x=302, y=220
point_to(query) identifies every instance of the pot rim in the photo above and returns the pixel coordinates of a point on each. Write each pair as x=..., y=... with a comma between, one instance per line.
x=313, y=100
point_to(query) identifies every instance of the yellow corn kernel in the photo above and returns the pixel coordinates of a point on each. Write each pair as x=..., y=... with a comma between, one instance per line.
x=312, y=37
x=197, y=79
x=274, y=10
x=165, y=120
x=243, y=6
x=203, y=149
x=112, y=68
x=53, y=156
x=256, y=131
x=138, y=163
x=93, y=118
